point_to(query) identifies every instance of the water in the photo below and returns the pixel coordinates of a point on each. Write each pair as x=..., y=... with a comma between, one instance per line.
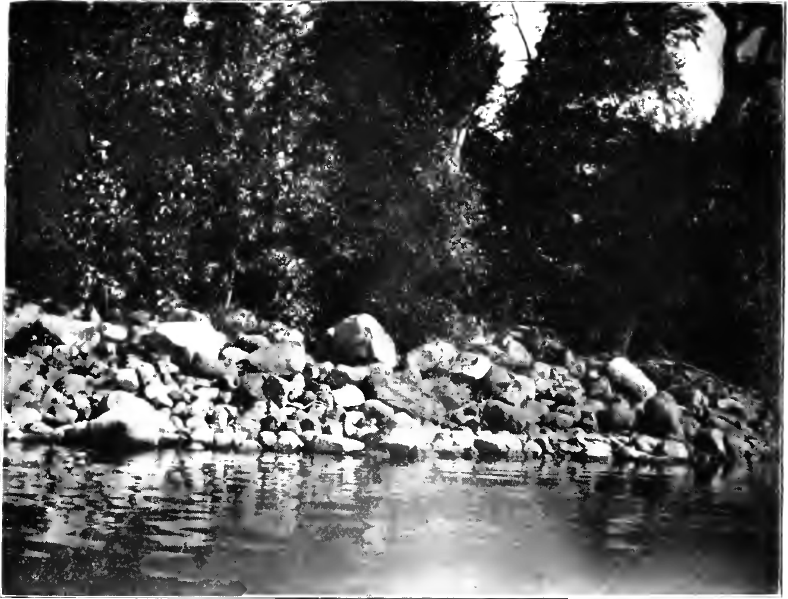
x=204, y=523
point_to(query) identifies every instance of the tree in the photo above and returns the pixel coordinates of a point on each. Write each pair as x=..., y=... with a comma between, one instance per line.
x=589, y=185
x=241, y=153
x=398, y=80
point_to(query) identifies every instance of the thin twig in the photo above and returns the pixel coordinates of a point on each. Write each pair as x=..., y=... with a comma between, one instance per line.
x=520, y=30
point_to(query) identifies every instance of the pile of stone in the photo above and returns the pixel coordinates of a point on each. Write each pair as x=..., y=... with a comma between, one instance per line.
x=248, y=386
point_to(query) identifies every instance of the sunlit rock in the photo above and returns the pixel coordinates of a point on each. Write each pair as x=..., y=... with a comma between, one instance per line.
x=628, y=376
x=439, y=354
x=348, y=396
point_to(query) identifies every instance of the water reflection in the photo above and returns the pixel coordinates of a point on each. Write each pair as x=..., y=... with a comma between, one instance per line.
x=204, y=523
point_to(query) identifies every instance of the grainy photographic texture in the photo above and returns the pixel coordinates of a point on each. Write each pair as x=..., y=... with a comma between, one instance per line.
x=403, y=299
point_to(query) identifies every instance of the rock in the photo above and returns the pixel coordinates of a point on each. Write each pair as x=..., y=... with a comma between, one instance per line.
x=59, y=415
x=646, y=443
x=333, y=444
x=617, y=417
x=437, y=354
x=127, y=379
x=158, y=395
x=181, y=314
x=288, y=442
x=399, y=394
x=23, y=416
x=675, y=450
x=38, y=430
x=166, y=371
x=194, y=346
x=443, y=390
x=223, y=440
x=661, y=417
x=711, y=441
x=599, y=388
x=471, y=365
x=531, y=338
x=268, y=439
x=348, y=396
x=540, y=370
x=130, y=420
x=732, y=406
x=561, y=420
x=489, y=446
x=512, y=354
x=114, y=333
x=499, y=416
x=296, y=387
x=354, y=424
x=378, y=410
x=331, y=427
x=468, y=417
x=401, y=443
x=576, y=366
x=628, y=376
x=279, y=353
x=595, y=447
x=360, y=339
x=82, y=404
x=240, y=321
x=354, y=373
x=22, y=317
x=690, y=426
x=532, y=449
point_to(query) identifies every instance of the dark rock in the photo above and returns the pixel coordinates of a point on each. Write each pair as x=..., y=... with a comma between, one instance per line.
x=617, y=417
x=661, y=417
x=360, y=339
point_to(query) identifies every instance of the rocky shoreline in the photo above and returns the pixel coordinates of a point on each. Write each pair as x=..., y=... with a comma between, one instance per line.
x=186, y=380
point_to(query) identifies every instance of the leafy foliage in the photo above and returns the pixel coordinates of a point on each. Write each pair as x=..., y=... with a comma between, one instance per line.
x=229, y=159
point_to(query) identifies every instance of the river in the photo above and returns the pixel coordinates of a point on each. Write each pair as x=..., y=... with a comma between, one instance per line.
x=166, y=523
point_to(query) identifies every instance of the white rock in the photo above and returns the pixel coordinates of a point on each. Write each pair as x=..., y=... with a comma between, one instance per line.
x=283, y=356
x=142, y=422
x=473, y=365
x=115, y=333
x=348, y=396
x=430, y=355
x=625, y=374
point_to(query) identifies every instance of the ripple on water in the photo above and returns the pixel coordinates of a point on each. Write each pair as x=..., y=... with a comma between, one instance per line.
x=359, y=525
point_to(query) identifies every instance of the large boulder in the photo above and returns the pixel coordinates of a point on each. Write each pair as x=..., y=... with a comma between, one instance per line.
x=280, y=354
x=629, y=377
x=193, y=346
x=436, y=354
x=361, y=339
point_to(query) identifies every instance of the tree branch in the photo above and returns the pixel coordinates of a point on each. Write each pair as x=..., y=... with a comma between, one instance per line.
x=520, y=31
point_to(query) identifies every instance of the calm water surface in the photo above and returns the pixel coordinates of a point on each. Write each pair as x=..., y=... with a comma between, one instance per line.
x=204, y=523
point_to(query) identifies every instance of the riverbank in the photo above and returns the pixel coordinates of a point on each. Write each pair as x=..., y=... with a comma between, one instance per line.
x=184, y=379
